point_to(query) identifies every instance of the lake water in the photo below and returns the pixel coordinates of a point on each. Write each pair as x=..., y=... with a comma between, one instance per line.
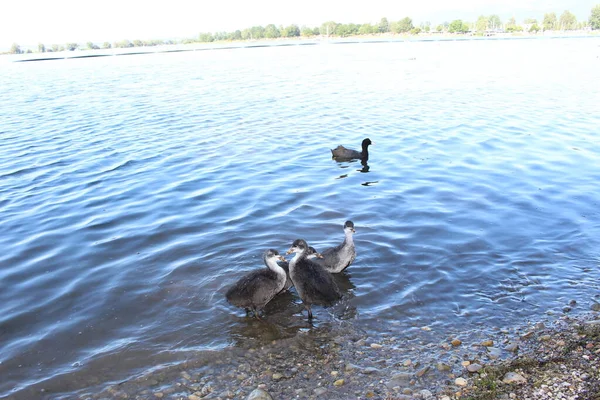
x=135, y=190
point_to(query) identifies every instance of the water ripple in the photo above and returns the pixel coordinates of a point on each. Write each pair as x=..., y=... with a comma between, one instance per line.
x=128, y=208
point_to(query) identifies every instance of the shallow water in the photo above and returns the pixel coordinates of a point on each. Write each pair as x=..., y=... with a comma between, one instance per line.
x=135, y=190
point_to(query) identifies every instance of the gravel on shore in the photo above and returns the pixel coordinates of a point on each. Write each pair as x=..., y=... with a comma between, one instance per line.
x=559, y=359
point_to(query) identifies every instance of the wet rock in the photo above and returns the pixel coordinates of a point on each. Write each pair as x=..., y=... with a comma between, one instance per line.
x=159, y=395
x=513, y=377
x=320, y=391
x=494, y=353
x=407, y=363
x=566, y=309
x=422, y=371
x=400, y=379
x=193, y=397
x=487, y=343
x=456, y=342
x=339, y=382
x=474, y=367
x=277, y=376
x=376, y=346
x=465, y=363
x=540, y=326
x=206, y=389
x=425, y=394
x=527, y=335
x=594, y=322
x=512, y=347
x=460, y=382
x=443, y=367
x=545, y=338
x=595, y=307
x=350, y=367
x=259, y=394
x=186, y=376
x=369, y=371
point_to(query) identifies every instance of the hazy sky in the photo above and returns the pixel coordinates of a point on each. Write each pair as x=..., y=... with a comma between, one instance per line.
x=28, y=22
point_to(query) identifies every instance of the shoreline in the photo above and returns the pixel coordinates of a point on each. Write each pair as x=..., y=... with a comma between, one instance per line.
x=543, y=360
x=282, y=42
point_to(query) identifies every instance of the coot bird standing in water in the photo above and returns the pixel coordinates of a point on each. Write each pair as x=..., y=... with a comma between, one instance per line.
x=254, y=290
x=336, y=259
x=313, y=283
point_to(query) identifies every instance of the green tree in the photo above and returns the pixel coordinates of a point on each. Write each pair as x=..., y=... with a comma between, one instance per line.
x=41, y=48
x=291, y=31
x=92, y=46
x=568, y=21
x=530, y=21
x=482, y=23
x=306, y=32
x=549, y=21
x=237, y=35
x=404, y=25
x=534, y=28
x=425, y=26
x=54, y=47
x=595, y=17
x=72, y=46
x=123, y=44
x=440, y=28
x=205, y=37
x=415, y=31
x=494, y=22
x=15, y=49
x=384, y=25
x=106, y=45
x=258, y=32
x=342, y=30
x=458, y=26
x=271, y=32
x=327, y=28
x=366, y=29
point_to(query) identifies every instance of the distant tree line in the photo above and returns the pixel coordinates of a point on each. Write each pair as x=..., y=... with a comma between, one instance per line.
x=484, y=24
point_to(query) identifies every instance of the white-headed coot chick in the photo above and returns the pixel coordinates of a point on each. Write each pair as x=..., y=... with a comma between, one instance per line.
x=313, y=284
x=254, y=290
x=311, y=254
x=338, y=258
x=343, y=153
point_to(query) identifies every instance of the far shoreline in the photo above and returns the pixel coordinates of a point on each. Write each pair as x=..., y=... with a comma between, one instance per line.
x=282, y=42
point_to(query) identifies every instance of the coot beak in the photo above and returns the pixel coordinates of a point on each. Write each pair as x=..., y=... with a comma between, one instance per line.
x=290, y=251
x=319, y=255
x=281, y=258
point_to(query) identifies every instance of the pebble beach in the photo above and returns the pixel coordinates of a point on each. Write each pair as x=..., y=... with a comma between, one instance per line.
x=554, y=359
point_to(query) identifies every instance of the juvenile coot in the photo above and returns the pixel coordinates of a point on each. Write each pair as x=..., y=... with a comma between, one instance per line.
x=313, y=284
x=254, y=290
x=338, y=258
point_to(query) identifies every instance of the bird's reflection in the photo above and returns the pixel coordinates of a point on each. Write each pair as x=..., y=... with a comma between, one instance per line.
x=283, y=316
x=365, y=167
